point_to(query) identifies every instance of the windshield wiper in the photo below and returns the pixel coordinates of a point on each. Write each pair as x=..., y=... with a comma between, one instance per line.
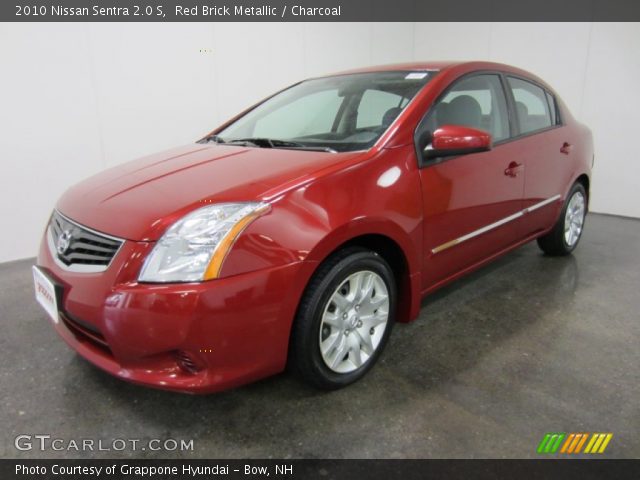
x=275, y=143
x=212, y=138
x=264, y=142
x=312, y=148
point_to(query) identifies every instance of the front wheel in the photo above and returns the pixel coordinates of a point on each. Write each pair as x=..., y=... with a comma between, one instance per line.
x=344, y=319
x=566, y=233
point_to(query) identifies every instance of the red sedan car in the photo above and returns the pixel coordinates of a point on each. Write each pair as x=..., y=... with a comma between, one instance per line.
x=298, y=232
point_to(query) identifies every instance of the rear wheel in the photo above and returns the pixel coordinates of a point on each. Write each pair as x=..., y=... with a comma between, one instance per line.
x=566, y=233
x=344, y=319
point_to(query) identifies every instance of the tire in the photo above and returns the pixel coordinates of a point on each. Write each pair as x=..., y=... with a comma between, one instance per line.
x=566, y=233
x=344, y=320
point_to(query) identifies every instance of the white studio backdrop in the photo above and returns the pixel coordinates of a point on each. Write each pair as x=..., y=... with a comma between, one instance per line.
x=78, y=98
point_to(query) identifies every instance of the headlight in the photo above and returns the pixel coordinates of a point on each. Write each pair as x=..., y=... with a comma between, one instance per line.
x=194, y=248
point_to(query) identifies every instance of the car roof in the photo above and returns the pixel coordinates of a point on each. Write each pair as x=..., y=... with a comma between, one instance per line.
x=437, y=65
x=443, y=65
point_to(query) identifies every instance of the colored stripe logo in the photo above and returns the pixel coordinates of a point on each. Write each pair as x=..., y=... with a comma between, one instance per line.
x=573, y=443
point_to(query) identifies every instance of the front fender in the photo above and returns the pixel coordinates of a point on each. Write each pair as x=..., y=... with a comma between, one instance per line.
x=380, y=196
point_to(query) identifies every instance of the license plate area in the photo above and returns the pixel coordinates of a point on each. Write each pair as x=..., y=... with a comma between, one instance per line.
x=46, y=294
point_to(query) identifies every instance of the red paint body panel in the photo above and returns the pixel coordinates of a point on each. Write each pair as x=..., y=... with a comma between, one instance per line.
x=237, y=327
x=462, y=195
x=243, y=320
x=140, y=199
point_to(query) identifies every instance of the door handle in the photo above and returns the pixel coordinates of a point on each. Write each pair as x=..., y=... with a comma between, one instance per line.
x=513, y=169
x=566, y=148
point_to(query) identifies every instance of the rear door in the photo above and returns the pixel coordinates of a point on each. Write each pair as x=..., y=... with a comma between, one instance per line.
x=545, y=152
x=471, y=203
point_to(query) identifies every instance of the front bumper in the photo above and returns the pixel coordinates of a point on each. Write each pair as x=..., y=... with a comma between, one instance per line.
x=232, y=330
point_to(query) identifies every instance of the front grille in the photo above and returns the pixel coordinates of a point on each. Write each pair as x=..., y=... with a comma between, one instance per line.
x=74, y=244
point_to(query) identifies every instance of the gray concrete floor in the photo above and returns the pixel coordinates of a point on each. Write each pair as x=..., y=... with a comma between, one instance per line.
x=526, y=346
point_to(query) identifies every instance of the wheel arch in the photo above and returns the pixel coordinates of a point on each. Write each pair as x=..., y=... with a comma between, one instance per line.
x=396, y=249
x=392, y=253
x=586, y=183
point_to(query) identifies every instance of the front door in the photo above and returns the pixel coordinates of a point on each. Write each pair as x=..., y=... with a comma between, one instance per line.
x=472, y=203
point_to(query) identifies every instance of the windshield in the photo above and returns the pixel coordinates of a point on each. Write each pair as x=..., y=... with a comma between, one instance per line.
x=341, y=113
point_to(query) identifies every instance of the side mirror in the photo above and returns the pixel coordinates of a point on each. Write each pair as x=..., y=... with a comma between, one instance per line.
x=451, y=140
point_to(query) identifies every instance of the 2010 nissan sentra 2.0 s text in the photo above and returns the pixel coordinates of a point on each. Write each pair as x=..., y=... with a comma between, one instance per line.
x=298, y=232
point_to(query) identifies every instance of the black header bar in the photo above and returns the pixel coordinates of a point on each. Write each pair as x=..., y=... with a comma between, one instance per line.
x=317, y=10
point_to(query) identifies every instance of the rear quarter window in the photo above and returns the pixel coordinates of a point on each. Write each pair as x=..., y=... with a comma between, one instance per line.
x=532, y=106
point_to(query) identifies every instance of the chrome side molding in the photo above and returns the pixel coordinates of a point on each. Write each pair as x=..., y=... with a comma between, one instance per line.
x=494, y=225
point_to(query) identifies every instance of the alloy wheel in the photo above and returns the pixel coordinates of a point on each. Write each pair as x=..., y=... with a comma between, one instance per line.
x=574, y=219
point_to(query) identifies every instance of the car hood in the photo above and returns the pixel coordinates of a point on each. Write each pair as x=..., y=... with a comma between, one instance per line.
x=140, y=199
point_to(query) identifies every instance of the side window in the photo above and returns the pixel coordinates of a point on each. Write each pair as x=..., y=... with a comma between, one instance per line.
x=311, y=114
x=477, y=102
x=552, y=108
x=378, y=108
x=532, y=106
